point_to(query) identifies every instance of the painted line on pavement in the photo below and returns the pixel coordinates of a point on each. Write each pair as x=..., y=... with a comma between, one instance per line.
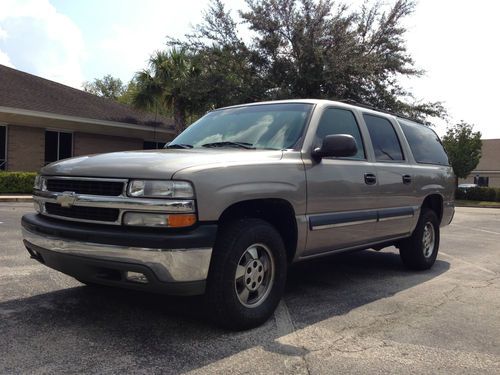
x=476, y=229
x=469, y=263
x=284, y=323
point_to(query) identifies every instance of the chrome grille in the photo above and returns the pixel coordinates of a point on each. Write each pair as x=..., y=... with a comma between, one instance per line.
x=98, y=200
x=84, y=186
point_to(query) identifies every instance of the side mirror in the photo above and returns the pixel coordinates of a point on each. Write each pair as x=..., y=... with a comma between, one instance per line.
x=337, y=145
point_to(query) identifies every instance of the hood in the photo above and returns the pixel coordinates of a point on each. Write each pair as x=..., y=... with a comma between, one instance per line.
x=153, y=164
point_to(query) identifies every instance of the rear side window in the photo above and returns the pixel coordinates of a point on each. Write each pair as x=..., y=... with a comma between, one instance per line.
x=424, y=143
x=384, y=139
x=340, y=121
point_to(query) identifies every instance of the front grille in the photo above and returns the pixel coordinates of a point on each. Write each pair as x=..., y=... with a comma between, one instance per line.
x=83, y=213
x=92, y=187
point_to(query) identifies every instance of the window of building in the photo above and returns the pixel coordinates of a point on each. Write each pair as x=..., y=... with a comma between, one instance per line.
x=58, y=145
x=150, y=145
x=384, y=139
x=424, y=143
x=3, y=148
x=340, y=121
x=482, y=181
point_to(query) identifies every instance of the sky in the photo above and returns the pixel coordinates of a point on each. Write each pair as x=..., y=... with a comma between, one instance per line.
x=72, y=41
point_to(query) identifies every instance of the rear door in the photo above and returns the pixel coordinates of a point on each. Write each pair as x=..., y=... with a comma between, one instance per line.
x=397, y=202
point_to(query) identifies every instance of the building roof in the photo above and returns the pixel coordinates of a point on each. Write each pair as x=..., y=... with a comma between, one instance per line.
x=29, y=92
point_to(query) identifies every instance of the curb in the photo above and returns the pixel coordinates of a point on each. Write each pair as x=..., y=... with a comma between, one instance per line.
x=464, y=205
x=20, y=198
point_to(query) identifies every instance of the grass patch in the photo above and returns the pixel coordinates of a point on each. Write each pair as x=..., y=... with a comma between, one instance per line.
x=477, y=203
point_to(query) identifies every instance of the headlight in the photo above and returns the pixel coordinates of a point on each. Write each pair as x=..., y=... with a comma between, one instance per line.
x=40, y=183
x=160, y=189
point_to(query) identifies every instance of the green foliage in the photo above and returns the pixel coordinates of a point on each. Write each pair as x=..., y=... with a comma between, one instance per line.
x=168, y=84
x=305, y=49
x=106, y=87
x=17, y=182
x=463, y=146
x=478, y=194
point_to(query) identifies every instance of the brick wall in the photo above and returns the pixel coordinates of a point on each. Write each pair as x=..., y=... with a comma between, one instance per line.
x=25, y=148
x=86, y=143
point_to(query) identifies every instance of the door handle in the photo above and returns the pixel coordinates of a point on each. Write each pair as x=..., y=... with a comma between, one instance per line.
x=370, y=179
x=406, y=179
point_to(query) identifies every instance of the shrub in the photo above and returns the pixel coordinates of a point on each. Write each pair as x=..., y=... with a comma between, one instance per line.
x=17, y=182
x=478, y=194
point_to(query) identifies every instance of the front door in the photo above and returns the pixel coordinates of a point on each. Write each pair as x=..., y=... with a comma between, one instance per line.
x=341, y=192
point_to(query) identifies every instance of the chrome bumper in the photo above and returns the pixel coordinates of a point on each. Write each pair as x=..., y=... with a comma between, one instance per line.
x=169, y=265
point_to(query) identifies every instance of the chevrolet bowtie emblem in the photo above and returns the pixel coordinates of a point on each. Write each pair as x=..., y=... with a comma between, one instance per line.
x=67, y=199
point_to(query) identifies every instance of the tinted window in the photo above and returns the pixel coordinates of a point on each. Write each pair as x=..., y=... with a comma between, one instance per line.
x=58, y=146
x=339, y=121
x=148, y=145
x=65, y=145
x=3, y=151
x=384, y=139
x=51, y=140
x=424, y=143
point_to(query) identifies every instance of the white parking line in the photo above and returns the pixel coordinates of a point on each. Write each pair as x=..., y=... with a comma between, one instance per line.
x=476, y=229
x=284, y=323
x=469, y=263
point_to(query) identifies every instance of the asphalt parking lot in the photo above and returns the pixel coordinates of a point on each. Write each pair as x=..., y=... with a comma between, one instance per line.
x=353, y=313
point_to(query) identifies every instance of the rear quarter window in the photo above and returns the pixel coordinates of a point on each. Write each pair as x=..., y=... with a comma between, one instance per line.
x=424, y=143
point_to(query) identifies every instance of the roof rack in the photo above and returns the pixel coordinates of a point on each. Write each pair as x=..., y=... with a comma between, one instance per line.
x=368, y=106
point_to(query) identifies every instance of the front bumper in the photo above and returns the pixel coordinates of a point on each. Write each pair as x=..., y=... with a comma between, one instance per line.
x=173, y=263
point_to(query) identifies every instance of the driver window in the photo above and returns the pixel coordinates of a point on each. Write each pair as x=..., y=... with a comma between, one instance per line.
x=339, y=121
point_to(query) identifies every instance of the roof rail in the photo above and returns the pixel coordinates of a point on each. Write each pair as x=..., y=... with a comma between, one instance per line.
x=368, y=106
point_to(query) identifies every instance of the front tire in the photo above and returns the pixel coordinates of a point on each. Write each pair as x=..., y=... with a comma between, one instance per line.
x=247, y=274
x=419, y=252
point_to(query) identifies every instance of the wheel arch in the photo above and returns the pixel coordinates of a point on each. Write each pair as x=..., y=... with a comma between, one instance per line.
x=435, y=203
x=276, y=211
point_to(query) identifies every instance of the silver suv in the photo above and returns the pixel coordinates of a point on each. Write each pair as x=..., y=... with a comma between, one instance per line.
x=238, y=196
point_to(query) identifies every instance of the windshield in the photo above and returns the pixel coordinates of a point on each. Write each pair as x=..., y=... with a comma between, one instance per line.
x=267, y=126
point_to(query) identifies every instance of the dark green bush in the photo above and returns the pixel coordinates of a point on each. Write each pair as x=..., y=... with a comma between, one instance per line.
x=17, y=182
x=460, y=194
x=478, y=194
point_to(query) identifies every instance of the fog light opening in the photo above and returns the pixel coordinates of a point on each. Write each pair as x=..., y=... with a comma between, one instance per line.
x=136, y=277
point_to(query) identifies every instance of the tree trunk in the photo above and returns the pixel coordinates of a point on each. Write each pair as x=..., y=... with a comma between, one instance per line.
x=179, y=117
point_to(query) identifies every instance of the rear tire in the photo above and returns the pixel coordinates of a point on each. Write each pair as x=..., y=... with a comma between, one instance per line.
x=419, y=252
x=247, y=274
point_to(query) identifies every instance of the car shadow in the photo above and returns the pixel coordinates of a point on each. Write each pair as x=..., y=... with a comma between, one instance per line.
x=92, y=329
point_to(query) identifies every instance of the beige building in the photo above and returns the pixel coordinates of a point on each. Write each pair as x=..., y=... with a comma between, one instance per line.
x=487, y=173
x=42, y=121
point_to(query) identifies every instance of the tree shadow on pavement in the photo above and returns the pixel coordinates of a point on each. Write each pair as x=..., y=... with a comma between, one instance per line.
x=93, y=329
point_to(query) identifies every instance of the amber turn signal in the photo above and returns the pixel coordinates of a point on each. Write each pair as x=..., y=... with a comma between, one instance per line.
x=181, y=220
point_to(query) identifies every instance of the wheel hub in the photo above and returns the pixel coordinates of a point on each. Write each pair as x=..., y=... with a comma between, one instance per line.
x=428, y=240
x=254, y=275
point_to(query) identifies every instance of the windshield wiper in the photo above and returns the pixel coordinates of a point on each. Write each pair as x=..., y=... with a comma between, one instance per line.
x=245, y=145
x=179, y=145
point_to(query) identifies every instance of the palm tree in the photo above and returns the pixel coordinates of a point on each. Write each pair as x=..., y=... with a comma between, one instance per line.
x=166, y=84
